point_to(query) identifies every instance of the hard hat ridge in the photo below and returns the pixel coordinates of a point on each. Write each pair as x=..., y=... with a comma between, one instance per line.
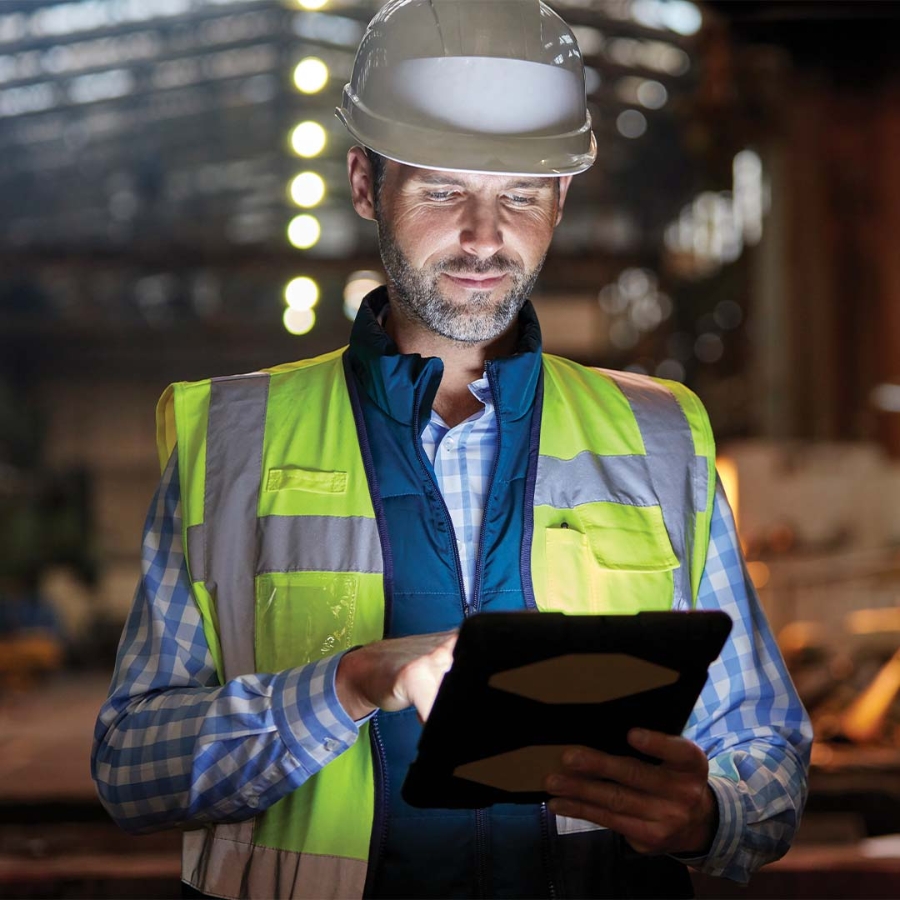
x=471, y=85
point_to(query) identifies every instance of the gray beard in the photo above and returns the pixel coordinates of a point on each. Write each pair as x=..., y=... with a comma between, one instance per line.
x=416, y=293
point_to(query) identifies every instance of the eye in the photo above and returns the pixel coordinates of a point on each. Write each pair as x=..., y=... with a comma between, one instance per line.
x=441, y=196
x=519, y=200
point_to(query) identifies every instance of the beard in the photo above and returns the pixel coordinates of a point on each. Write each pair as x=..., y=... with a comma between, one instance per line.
x=480, y=317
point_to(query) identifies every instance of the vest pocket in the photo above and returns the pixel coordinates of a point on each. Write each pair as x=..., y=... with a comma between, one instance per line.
x=605, y=558
x=570, y=586
x=302, y=617
x=296, y=479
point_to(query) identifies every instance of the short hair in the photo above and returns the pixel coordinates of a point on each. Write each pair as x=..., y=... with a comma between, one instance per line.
x=379, y=166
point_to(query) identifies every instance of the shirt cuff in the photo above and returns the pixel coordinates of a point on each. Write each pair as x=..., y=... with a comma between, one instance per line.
x=728, y=835
x=309, y=717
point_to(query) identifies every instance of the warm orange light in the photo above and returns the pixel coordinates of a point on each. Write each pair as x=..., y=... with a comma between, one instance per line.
x=759, y=574
x=728, y=474
x=864, y=719
x=873, y=621
x=822, y=754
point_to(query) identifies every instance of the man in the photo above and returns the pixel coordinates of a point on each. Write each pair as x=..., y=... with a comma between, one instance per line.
x=322, y=528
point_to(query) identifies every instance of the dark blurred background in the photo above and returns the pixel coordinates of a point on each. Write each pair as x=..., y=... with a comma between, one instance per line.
x=173, y=205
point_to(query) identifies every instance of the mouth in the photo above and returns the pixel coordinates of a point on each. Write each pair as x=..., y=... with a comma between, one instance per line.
x=476, y=282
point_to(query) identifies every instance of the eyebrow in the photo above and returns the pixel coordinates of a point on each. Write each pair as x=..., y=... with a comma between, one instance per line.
x=446, y=178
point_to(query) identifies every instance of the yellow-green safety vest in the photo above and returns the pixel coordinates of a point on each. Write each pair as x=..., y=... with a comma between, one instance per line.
x=285, y=560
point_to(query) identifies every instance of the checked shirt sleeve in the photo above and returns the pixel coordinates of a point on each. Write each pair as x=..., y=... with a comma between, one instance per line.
x=173, y=746
x=749, y=721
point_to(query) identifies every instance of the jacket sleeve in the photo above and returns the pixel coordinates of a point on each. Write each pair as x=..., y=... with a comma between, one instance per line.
x=748, y=719
x=173, y=746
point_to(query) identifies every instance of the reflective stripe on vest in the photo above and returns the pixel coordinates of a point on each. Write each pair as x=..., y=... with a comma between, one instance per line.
x=240, y=546
x=273, y=506
x=679, y=477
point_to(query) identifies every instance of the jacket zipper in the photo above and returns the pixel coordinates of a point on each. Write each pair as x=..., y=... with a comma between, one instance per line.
x=534, y=443
x=481, y=826
x=382, y=798
x=429, y=472
x=476, y=589
x=481, y=854
x=546, y=850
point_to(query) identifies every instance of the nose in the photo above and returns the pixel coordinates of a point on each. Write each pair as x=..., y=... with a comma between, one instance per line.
x=480, y=234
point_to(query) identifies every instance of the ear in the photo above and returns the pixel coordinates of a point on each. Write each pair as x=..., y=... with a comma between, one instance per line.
x=362, y=182
x=564, y=183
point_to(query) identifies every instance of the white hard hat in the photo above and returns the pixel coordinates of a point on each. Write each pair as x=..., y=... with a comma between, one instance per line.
x=494, y=86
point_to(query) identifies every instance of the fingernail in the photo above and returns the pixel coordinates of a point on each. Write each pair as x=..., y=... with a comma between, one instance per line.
x=554, y=783
x=572, y=758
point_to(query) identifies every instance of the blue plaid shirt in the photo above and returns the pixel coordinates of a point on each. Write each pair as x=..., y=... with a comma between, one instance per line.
x=173, y=746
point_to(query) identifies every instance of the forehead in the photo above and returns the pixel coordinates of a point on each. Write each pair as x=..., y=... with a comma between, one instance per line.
x=414, y=176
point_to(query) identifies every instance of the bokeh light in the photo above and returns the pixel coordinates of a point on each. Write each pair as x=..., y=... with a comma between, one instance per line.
x=311, y=75
x=299, y=321
x=358, y=285
x=301, y=293
x=652, y=94
x=304, y=231
x=631, y=123
x=708, y=348
x=308, y=139
x=308, y=189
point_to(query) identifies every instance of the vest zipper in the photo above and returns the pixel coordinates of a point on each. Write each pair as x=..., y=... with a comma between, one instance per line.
x=481, y=854
x=429, y=472
x=379, y=824
x=476, y=588
x=547, y=850
x=481, y=827
x=534, y=449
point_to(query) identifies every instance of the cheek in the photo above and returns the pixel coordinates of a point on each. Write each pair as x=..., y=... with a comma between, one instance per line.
x=533, y=239
x=423, y=233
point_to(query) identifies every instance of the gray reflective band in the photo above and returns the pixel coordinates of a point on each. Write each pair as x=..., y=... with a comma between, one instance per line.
x=234, y=444
x=304, y=544
x=588, y=478
x=319, y=544
x=196, y=551
x=673, y=469
x=224, y=867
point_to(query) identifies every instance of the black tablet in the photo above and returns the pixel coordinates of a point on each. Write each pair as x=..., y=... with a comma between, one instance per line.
x=525, y=686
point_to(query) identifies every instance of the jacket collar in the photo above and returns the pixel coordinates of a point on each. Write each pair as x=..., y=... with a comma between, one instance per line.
x=392, y=379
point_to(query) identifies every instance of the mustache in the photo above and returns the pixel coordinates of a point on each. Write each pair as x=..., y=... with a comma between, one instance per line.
x=457, y=265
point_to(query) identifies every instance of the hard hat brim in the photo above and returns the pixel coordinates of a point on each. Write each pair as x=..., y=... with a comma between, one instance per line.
x=552, y=155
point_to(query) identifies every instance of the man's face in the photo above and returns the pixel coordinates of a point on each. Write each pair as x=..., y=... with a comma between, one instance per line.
x=462, y=251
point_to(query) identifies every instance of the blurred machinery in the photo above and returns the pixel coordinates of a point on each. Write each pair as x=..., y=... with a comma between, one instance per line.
x=820, y=525
x=44, y=527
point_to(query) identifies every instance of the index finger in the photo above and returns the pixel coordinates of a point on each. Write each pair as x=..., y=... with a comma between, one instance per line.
x=674, y=751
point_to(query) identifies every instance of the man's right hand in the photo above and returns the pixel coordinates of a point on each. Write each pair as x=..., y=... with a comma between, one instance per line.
x=395, y=674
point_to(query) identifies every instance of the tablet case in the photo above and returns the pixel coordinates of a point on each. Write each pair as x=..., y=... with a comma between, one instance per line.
x=525, y=686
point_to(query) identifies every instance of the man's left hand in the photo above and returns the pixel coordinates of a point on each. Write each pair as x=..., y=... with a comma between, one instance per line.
x=665, y=808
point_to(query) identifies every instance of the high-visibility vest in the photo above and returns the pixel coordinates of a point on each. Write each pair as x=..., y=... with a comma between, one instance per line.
x=285, y=559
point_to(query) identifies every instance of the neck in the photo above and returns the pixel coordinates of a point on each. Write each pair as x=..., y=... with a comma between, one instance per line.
x=463, y=362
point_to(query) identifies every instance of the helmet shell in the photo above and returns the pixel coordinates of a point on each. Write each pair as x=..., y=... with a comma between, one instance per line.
x=493, y=86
